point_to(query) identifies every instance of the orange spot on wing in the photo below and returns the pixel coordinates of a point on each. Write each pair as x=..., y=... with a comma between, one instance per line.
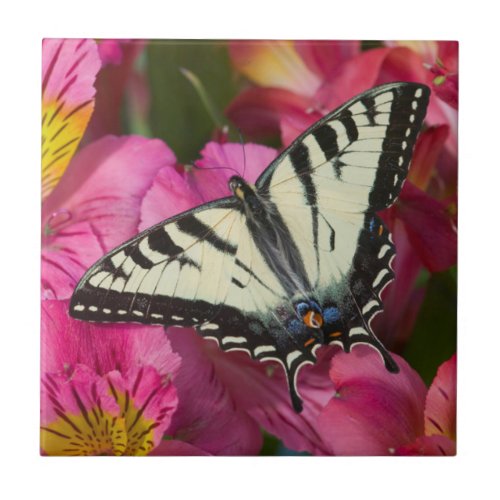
x=380, y=230
x=313, y=319
x=335, y=334
x=309, y=342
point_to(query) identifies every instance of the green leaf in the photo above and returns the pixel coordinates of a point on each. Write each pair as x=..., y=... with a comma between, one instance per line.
x=271, y=445
x=179, y=115
x=434, y=338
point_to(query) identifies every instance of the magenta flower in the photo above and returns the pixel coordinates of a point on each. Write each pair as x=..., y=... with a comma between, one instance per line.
x=375, y=412
x=298, y=82
x=96, y=206
x=441, y=60
x=69, y=69
x=78, y=221
x=105, y=389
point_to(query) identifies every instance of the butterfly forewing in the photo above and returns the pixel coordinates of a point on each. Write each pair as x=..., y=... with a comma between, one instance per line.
x=161, y=276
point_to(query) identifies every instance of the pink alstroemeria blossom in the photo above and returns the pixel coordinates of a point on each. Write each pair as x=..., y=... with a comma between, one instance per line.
x=69, y=69
x=375, y=412
x=174, y=191
x=441, y=59
x=106, y=389
x=95, y=206
x=279, y=104
x=440, y=415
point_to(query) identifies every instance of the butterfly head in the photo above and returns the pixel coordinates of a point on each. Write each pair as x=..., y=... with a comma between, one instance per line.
x=240, y=187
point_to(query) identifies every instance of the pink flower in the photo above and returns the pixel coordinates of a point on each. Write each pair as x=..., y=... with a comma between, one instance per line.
x=440, y=415
x=78, y=222
x=105, y=389
x=375, y=412
x=441, y=60
x=298, y=82
x=69, y=69
x=96, y=206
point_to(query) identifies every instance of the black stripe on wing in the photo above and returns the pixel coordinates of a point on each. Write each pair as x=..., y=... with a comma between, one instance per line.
x=101, y=294
x=263, y=339
x=389, y=115
x=371, y=272
x=407, y=115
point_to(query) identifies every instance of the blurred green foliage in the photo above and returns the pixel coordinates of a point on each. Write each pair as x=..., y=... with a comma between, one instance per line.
x=178, y=114
x=434, y=337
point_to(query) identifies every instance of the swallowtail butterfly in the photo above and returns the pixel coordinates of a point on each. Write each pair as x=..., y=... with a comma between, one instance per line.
x=280, y=268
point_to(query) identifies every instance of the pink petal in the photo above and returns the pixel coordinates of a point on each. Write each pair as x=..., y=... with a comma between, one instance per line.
x=323, y=57
x=79, y=416
x=373, y=411
x=258, y=111
x=175, y=448
x=62, y=386
x=445, y=85
x=69, y=69
x=262, y=390
x=293, y=125
x=207, y=416
x=430, y=228
x=426, y=49
x=67, y=343
x=66, y=255
x=441, y=402
x=174, y=192
x=403, y=64
x=169, y=195
x=247, y=160
x=429, y=446
x=106, y=182
x=110, y=52
x=428, y=148
x=448, y=54
x=354, y=76
x=237, y=388
x=59, y=64
x=148, y=401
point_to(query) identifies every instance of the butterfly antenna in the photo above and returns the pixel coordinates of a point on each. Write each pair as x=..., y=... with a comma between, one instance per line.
x=196, y=167
x=244, y=156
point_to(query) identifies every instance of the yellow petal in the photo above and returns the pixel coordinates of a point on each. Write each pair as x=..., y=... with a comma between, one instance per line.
x=69, y=70
x=93, y=433
x=275, y=64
